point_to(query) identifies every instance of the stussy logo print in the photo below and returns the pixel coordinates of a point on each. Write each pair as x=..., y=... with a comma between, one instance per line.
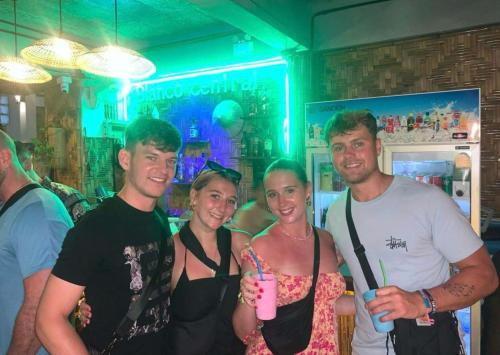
x=396, y=243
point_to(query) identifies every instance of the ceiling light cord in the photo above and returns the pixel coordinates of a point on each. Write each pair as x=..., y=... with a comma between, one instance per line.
x=15, y=29
x=116, y=23
x=60, y=19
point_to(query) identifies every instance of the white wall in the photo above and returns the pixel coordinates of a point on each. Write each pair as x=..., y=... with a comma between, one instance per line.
x=22, y=118
x=398, y=19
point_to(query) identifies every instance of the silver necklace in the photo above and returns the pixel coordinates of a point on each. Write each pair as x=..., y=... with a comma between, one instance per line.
x=309, y=232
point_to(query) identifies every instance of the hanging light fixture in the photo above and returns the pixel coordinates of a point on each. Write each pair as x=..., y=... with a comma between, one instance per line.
x=55, y=52
x=115, y=61
x=17, y=70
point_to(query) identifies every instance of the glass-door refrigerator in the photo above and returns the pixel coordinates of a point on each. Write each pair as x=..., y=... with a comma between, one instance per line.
x=455, y=169
x=326, y=183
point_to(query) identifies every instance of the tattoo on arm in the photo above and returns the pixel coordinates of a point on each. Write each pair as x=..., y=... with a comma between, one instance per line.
x=459, y=290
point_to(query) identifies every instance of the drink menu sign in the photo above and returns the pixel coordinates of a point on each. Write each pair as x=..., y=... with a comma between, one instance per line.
x=436, y=117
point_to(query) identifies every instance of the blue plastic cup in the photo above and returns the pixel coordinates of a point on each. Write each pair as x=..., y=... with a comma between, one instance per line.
x=381, y=327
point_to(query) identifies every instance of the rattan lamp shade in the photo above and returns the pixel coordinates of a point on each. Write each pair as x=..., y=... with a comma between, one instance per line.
x=54, y=52
x=116, y=62
x=19, y=71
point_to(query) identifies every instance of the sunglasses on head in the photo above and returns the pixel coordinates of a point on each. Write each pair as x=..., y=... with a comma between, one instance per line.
x=234, y=175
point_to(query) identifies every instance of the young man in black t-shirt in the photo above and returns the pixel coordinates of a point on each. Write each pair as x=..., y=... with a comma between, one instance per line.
x=114, y=251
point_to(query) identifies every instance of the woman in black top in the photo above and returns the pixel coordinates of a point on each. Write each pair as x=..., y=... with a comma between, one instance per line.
x=206, y=274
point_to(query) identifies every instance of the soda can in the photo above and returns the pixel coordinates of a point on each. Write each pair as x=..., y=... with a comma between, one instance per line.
x=427, y=179
x=419, y=178
x=448, y=184
x=438, y=181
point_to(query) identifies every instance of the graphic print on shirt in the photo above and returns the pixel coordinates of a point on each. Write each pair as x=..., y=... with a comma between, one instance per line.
x=396, y=243
x=143, y=261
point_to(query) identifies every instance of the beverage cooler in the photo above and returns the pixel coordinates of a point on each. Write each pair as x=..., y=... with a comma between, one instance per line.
x=455, y=169
x=432, y=138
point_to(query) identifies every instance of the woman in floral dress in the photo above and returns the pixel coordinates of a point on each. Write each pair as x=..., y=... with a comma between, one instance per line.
x=286, y=249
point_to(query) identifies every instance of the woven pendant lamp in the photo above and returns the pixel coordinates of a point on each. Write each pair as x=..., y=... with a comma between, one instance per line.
x=55, y=52
x=17, y=70
x=115, y=61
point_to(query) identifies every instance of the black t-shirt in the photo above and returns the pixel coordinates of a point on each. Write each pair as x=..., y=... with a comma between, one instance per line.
x=112, y=251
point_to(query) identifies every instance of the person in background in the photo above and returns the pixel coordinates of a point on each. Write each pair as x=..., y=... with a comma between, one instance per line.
x=415, y=229
x=206, y=274
x=74, y=201
x=119, y=252
x=254, y=216
x=33, y=223
x=286, y=249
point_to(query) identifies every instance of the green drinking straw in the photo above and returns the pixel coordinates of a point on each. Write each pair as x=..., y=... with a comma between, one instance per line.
x=384, y=274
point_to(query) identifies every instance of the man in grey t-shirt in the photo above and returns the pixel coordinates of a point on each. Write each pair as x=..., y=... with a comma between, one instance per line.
x=416, y=229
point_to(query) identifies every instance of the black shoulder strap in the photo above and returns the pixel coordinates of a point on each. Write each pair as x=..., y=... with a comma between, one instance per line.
x=316, y=259
x=223, y=245
x=192, y=244
x=359, y=249
x=17, y=195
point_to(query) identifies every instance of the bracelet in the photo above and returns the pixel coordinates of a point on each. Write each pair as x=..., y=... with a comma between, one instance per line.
x=431, y=300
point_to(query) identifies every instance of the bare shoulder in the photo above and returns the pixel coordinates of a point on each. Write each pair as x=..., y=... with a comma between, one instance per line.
x=324, y=235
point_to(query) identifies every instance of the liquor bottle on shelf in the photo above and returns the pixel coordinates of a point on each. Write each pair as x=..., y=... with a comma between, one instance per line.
x=190, y=169
x=180, y=168
x=268, y=144
x=255, y=145
x=194, y=131
x=244, y=145
x=264, y=105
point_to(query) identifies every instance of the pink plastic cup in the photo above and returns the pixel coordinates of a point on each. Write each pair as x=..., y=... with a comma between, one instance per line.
x=266, y=305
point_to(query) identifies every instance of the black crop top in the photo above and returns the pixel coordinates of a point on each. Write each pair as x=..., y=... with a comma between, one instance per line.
x=194, y=300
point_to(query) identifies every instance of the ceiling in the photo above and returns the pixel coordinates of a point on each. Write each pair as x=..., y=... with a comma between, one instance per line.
x=141, y=23
x=150, y=24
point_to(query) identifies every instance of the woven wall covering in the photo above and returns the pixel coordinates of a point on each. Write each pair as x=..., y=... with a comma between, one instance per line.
x=463, y=59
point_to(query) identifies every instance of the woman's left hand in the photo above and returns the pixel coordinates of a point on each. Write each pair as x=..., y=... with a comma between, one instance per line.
x=249, y=289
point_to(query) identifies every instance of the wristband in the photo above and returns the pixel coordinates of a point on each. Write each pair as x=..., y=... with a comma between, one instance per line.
x=426, y=300
x=431, y=300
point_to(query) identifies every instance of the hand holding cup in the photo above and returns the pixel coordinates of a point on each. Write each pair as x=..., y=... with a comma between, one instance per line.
x=380, y=326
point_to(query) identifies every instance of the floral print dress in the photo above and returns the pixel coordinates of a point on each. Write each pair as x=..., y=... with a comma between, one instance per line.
x=291, y=288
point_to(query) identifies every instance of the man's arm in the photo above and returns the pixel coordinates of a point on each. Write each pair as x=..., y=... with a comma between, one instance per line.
x=52, y=326
x=477, y=279
x=24, y=340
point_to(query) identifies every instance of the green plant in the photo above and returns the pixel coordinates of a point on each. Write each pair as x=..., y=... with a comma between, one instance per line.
x=43, y=152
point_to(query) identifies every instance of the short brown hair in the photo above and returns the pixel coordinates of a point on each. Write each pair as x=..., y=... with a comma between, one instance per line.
x=159, y=133
x=346, y=121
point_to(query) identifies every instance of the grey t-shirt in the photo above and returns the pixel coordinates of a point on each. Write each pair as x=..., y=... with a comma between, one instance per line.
x=415, y=229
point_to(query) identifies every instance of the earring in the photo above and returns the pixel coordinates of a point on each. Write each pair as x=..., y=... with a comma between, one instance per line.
x=308, y=200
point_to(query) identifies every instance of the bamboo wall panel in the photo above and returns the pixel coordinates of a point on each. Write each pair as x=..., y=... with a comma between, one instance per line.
x=63, y=113
x=464, y=59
